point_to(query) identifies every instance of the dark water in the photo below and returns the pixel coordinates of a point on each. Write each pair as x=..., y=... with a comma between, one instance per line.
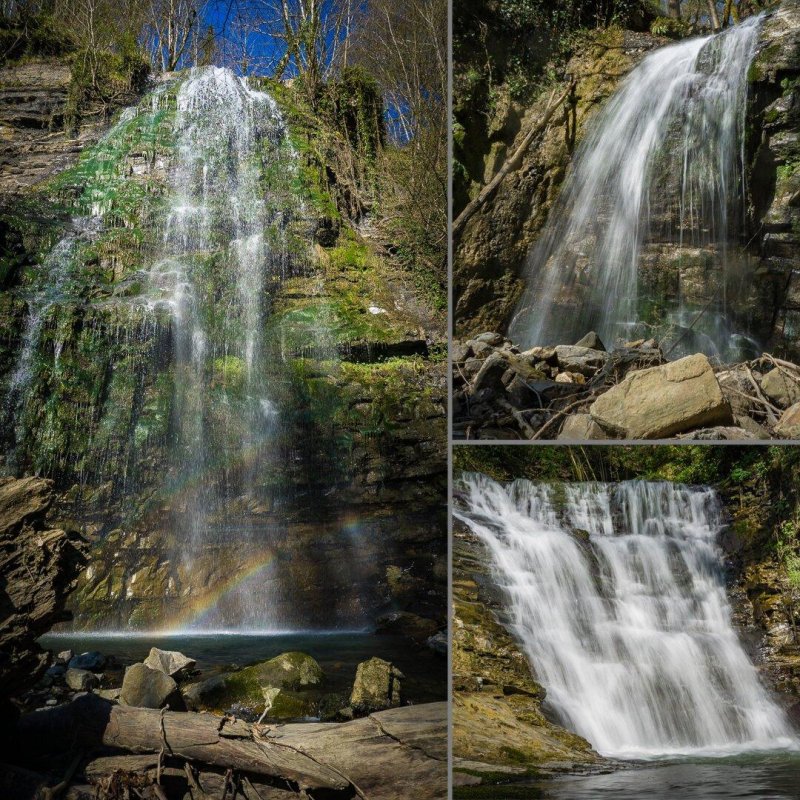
x=337, y=653
x=756, y=777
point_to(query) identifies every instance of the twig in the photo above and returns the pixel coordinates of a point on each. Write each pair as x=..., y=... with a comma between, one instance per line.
x=53, y=792
x=164, y=730
x=771, y=418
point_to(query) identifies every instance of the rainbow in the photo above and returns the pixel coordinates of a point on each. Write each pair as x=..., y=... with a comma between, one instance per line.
x=201, y=606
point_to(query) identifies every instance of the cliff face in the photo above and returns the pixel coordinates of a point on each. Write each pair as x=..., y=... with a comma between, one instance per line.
x=40, y=566
x=499, y=725
x=359, y=456
x=492, y=250
x=491, y=254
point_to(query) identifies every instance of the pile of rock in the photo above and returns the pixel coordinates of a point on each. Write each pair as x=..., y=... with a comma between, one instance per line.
x=581, y=391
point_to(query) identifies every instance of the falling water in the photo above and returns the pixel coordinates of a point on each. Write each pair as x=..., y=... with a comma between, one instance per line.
x=224, y=250
x=617, y=593
x=663, y=163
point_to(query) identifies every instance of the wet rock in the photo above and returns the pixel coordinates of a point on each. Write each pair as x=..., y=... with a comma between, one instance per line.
x=169, y=662
x=81, y=680
x=581, y=426
x=788, y=426
x=92, y=661
x=592, y=341
x=144, y=687
x=780, y=388
x=65, y=656
x=404, y=623
x=438, y=643
x=663, y=401
x=376, y=687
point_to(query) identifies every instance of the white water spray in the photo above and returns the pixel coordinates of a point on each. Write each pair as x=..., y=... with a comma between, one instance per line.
x=617, y=594
x=666, y=150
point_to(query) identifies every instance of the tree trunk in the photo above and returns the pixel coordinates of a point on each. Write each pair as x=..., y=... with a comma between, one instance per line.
x=674, y=8
x=91, y=722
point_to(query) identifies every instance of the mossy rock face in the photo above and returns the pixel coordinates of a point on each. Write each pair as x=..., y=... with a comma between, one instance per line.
x=377, y=686
x=294, y=671
x=286, y=685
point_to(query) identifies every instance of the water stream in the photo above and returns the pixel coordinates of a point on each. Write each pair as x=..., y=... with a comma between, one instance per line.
x=617, y=594
x=662, y=164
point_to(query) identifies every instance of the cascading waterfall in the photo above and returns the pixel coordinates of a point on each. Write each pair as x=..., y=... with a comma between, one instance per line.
x=617, y=594
x=224, y=251
x=663, y=163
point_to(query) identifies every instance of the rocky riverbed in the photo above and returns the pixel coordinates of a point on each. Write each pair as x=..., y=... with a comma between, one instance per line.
x=582, y=391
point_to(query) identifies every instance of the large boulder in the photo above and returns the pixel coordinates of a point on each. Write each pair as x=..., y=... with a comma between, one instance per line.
x=149, y=688
x=660, y=402
x=41, y=564
x=287, y=687
x=376, y=687
x=170, y=662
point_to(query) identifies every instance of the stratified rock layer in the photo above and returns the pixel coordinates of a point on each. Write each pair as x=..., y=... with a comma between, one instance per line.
x=40, y=565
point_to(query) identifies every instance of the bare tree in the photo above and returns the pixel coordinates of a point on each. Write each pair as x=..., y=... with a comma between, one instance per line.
x=172, y=27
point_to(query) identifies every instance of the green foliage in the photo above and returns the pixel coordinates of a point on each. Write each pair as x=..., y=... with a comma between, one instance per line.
x=38, y=35
x=672, y=28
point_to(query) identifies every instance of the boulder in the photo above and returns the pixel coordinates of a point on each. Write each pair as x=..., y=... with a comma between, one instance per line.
x=780, y=388
x=490, y=338
x=81, y=680
x=144, y=687
x=170, y=662
x=663, y=401
x=788, y=426
x=490, y=375
x=578, y=427
x=65, y=656
x=376, y=687
x=253, y=687
x=719, y=433
x=592, y=341
x=585, y=360
x=93, y=661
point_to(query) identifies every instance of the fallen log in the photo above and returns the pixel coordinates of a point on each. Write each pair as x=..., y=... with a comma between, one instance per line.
x=91, y=722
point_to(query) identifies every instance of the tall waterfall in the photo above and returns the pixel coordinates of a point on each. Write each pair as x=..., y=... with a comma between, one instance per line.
x=663, y=163
x=224, y=251
x=617, y=594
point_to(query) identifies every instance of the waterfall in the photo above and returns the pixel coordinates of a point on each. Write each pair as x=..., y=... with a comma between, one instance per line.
x=664, y=162
x=224, y=252
x=617, y=594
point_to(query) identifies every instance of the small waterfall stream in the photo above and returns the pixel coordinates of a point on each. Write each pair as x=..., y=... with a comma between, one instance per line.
x=664, y=162
x=617, y=594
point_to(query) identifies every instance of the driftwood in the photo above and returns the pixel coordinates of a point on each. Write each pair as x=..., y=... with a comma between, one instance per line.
x=511, y=162
x=227, y=744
